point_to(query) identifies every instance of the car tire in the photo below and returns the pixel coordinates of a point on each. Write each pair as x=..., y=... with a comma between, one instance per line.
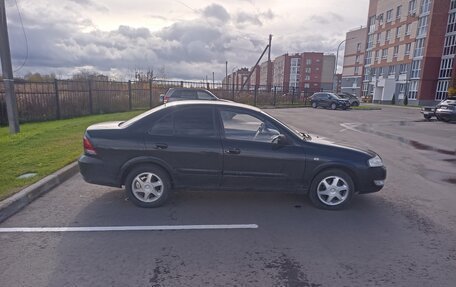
x=148, y=186
x=332, y=190
x=427, y=117
x=314, y=105
x=333, y=106
x=355, y=104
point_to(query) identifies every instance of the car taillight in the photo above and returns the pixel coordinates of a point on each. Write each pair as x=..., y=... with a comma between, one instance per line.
x=88, y=147
x=165, y=99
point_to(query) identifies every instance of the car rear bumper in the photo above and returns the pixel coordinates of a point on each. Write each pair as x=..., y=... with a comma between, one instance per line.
x=371, y=180
x=95, y=171
x=447, y=114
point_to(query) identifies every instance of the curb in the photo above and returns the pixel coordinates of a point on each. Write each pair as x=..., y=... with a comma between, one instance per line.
x=16, y=202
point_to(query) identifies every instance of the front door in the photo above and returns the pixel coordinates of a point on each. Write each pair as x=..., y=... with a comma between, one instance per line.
x=250, y=159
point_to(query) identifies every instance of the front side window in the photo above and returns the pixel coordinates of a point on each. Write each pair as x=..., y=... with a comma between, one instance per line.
x=163, y=126
x=239, y=125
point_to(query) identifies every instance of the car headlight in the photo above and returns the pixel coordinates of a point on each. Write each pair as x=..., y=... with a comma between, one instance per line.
x=376, y=161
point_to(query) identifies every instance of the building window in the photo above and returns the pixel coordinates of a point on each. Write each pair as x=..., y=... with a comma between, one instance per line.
x=372, y=20
x=388, y=35
x=395, y=51
x=308, y=62
x=419, y=48
x=376, y=55
x=408, y=47
x=453, y=4
x=358, y=47
x=412, y=7
x=307, y=78
x=357, y=59
x=403, y=68
x=422, y=25
x=380, y=71
x=308, y=70
x=407, y=29
x=450, y=45
x=446, y=68
x=415, y=69
x=389, y=15
x=391, y=70
x=398, y=32
x=442, y=90
x=379, y=35
x=380, y=19
x=399, y=11
x=413, y=90
x=451, y=23
x=306, y=85
x=367, y=60
x=370, y=41
x=384, y=54
x=425, y=6
x=356, y=69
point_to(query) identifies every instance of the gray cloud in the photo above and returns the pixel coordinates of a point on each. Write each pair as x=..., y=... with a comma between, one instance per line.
x=327, y=19
x=246, y=18
x=216, y=11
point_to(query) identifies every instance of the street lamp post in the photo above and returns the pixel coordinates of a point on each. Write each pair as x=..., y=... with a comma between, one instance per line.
x=337, y=59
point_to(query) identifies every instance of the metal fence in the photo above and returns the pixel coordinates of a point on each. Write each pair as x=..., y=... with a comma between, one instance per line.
x=61, y=99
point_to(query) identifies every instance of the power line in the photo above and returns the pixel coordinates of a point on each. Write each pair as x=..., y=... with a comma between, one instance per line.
x=26, y=40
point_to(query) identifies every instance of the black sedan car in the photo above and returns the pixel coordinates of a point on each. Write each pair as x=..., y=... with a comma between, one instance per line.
x=329, y=101
x=192, y=144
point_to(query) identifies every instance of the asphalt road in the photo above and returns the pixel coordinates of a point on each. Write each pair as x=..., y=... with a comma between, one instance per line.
x=405, y=235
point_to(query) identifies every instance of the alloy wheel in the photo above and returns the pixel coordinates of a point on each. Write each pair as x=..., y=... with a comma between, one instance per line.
x=147, y=187
x=333, y=190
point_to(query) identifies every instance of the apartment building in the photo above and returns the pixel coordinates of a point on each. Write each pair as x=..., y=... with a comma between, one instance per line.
x=352, y=73
x=410, y=49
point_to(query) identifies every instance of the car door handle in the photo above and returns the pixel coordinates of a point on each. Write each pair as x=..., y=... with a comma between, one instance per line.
x=233, y=151
x=160, y=146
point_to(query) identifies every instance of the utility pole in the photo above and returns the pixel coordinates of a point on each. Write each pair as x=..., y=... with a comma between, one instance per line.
x=226, y=72
x=269, y=77
x=8, y=79
x=213, y=80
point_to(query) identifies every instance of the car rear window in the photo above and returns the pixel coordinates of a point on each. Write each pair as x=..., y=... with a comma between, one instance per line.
x=185, y=94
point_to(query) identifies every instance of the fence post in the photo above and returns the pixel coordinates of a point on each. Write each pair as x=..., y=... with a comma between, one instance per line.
x=57, y=100
x=129, y=95
x=275, y=95
x=292, y=96
x=255, y=96
x=150, y=93
x=90, y=97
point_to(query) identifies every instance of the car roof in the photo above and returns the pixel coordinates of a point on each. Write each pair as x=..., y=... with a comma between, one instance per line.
x=220, y=103
x=192, y=89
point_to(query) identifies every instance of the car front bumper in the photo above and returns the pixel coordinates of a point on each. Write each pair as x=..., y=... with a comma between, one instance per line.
x=371, y=180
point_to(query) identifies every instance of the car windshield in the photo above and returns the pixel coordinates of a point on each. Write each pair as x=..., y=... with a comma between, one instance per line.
x=290, y=128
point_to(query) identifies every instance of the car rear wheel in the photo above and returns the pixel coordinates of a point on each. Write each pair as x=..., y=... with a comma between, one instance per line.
x=331, y=189
x=314, y=105
x=427, y=117
x=148, y=186
x=333, y=106
x=355, y=104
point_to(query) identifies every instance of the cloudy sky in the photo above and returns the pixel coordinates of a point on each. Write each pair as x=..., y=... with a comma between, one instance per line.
x=185, y=39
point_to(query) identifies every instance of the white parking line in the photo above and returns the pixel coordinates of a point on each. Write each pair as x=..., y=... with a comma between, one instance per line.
x=127, y=228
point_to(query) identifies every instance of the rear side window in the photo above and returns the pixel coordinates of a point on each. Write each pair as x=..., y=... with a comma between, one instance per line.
x=163, y=126
x=198, y=122
x=204, y=96
x=185, y=94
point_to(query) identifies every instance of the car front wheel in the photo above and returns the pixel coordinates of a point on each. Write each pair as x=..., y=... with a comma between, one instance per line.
x=148, y=186
x=333, y=106
x=314, y=105
x=331, y=189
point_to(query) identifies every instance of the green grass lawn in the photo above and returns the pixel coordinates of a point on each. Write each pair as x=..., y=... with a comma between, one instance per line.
x=44, y=148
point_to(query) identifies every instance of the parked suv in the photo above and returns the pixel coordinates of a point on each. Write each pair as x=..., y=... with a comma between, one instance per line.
x=328, y=100
x=444, y=111
x=354, y=101
x=180, y=94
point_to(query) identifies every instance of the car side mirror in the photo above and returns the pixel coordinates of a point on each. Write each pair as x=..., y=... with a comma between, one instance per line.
x=280, y=140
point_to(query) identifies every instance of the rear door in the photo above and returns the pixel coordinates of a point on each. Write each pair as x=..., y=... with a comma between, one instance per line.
x=187, y=140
